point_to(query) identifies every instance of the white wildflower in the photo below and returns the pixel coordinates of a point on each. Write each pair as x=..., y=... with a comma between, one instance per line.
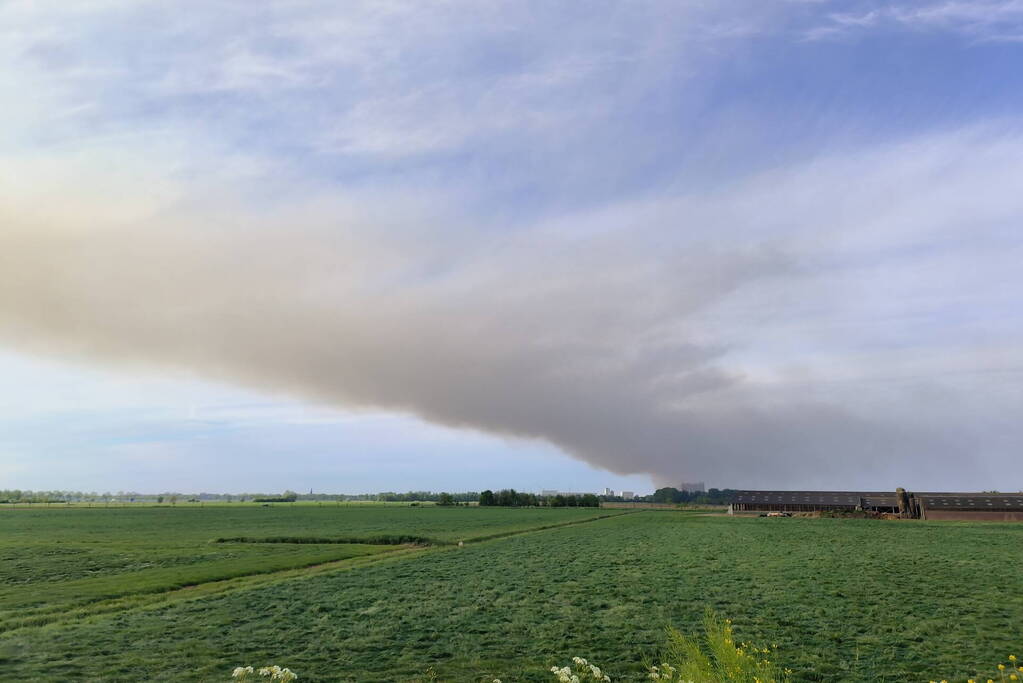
x=564, y=674
x=580, y=661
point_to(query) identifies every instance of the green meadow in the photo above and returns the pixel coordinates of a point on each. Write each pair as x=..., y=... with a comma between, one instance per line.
x=143, y=594
x=61, y=558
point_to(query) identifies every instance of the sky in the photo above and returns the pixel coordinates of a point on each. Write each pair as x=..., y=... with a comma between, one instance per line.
x=462, y=245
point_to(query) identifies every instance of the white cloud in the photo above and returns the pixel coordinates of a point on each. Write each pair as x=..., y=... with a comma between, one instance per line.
x=387, y=80
x=984, y=20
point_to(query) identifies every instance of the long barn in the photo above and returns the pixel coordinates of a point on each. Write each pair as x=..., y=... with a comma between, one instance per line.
x=1001, y=507
x=813, y=501
x=924, y=505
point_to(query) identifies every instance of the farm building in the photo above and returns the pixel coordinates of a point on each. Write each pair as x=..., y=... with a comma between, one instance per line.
x=1002, y=507
x=813, y=501
x=926, y=505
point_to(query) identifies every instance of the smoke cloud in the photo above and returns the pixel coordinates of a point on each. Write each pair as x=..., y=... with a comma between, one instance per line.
x=779, y=330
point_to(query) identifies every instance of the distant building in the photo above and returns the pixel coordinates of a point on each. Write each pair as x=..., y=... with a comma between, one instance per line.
x=998, y=507
x=628, y=495
x=692, y=487
x=608, y=492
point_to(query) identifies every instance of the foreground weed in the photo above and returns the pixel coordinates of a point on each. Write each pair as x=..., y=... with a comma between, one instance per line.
x=273, y=673
x=1006, y=672
x=581, y=670
x=714, y=657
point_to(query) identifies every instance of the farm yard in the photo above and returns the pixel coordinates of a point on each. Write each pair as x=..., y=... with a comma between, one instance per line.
x=149, y=593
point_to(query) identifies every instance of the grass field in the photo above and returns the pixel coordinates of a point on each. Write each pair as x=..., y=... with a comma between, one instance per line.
x=52, y=560
x=855, y=600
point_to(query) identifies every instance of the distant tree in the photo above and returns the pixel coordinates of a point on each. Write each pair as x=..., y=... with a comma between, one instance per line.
x=668, y=494
x=174, y=499
x=589, y=500
x=487, y=498
x=159, y=499
x=289, y=496
x=445, y=499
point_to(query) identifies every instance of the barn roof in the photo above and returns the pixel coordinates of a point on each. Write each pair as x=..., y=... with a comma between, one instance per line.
x=970, y=501
x=932, y=499
x=822, y=498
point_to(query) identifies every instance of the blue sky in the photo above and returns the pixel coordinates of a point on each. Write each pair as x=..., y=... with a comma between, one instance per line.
x=464, y=245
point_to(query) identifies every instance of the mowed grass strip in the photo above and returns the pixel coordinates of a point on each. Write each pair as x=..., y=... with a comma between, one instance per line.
x=850, y=600
x=78, y=591
x=397, y=539
x=170, y=525
x=141, y=601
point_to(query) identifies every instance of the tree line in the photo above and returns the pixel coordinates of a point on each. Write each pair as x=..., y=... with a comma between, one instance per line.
x=502, y=498
x=513, y=498
x=24, y=496
x=669, y=494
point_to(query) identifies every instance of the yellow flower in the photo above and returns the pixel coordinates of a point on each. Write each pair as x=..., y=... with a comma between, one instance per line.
x=1013, y=677
x=1012, y=658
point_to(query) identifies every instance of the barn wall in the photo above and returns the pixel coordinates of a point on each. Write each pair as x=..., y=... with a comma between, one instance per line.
x=974, y=515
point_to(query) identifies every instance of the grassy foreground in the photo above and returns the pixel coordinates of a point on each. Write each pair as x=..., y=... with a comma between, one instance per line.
x=854, y=600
